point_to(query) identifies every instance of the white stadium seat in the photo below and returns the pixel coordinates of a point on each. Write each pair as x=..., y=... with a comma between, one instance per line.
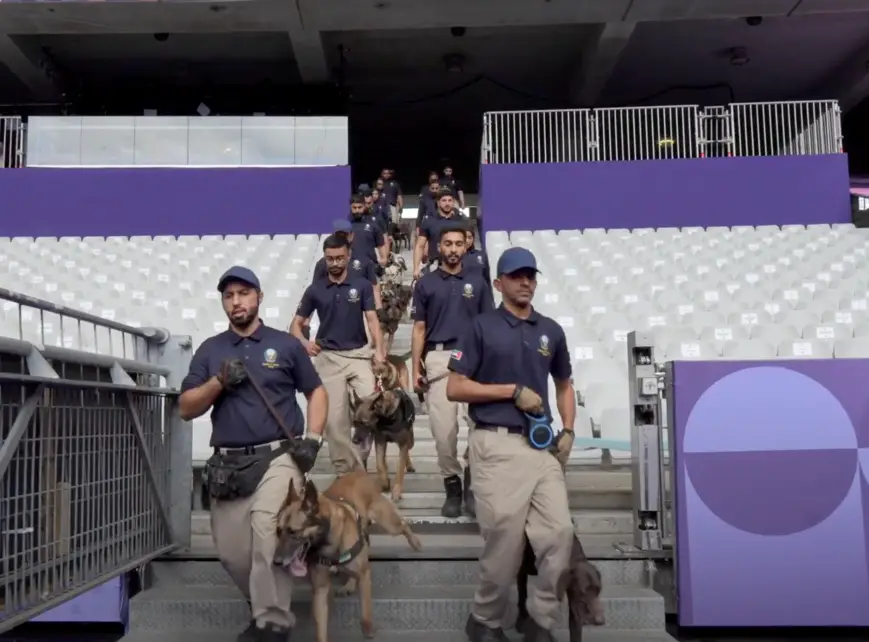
x=741, y=293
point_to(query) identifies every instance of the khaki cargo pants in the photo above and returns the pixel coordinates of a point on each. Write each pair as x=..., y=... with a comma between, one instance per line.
x=443, y=413
x=518, y=490
x=343, y=371
x=244, y=536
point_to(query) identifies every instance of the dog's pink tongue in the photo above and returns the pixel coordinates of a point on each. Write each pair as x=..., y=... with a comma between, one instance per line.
x=298, y=568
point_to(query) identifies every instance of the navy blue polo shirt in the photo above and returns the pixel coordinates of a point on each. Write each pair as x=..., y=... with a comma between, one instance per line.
x=431, y=227
x=476, y=261
x=278, y=362
x=362, y=268
x=381, y=211
x=499, y=348
x=392, y=190
x=451, y=184
x=367, y=237
x=341, y=308
x=446, y=302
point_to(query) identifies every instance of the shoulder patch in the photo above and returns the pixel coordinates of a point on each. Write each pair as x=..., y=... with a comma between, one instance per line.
x=456, y=355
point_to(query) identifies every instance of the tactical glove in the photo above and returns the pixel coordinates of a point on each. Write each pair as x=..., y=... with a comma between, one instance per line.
x=232, y=373
x=528, y=401
x=562, y=447
x=305, y=453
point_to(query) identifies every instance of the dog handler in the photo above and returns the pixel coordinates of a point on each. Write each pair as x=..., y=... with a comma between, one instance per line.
x=444, y=301
x=244, y=432
x=342, y=356
x=500, y=367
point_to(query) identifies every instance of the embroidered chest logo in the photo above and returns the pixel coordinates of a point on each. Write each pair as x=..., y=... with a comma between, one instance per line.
x=357, y=264
x=367, y=227
x=480, y=259
x=271, y=358
x=468, y=291
x=353, y=295
x=544, y=346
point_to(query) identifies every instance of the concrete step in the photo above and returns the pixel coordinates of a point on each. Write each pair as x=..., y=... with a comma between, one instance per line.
x=395, y=608
x=588, y=487
x=609, y=525
x=425, y=460
x=589, y=634
x=387, y=573
x=443, y=544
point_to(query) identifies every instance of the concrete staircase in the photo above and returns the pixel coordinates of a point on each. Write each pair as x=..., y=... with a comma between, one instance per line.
x=418, y=597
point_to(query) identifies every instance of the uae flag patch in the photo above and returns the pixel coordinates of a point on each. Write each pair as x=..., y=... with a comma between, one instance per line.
x=456, y=355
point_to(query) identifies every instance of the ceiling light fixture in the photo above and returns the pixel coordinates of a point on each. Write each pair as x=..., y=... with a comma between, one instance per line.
x=739, y=56
x=455, y=63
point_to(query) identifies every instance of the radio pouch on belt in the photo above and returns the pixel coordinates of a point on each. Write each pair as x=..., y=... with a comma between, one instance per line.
x=539, y=431
x=232, y=476
x=237, y=475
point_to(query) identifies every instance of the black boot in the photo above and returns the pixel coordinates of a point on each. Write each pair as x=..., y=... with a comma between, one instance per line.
x=470, y=504
x=453, y=503
x=535, y=633
x=272, y=633
x=478, y=632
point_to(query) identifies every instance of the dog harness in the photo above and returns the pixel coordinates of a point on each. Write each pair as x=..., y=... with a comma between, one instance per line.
x=345, y=557
x=405, y=416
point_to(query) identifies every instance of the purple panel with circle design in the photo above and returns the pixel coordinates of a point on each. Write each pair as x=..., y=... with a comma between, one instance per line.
x=772, y=492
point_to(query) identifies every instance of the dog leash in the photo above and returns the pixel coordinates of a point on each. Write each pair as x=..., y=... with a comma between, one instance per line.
x=274, y=413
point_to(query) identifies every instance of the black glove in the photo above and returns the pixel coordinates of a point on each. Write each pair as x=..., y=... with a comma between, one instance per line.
x=232, y=373
x=305, y=453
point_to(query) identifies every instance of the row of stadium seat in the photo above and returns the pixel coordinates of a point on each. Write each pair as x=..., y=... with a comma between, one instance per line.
x=740, y=293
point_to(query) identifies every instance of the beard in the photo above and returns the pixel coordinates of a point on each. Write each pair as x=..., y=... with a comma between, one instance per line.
x=244, y=321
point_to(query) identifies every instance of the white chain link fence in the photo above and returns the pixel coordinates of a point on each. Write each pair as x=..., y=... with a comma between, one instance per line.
x=653, y=133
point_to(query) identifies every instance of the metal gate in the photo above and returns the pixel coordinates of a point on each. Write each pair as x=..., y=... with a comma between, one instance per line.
x=12, y=139
x=89, y=476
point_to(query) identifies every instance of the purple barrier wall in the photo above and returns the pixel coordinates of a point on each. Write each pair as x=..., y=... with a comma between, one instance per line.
x=772, y=499
x=150, y=201
x=667, y=193
x=107, y=603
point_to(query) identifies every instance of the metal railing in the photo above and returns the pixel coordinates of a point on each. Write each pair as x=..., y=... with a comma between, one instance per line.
x=654, y=133
x=95, y=475
x=12, y=138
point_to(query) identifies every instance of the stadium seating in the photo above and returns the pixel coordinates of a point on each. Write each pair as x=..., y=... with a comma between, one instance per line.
x=717, y=293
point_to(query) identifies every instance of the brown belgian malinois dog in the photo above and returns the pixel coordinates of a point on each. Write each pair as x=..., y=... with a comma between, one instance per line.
x=320, y=534
x=386, y=417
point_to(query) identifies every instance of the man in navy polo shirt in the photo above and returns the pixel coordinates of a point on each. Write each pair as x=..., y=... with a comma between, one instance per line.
x=394, y=195
x=368, y=240
x=444, y=301
x=360, y=267
x=428, y=203
x=501, y=368
x=475, y=260
x=449, y=181
x=244, y=528
x=429, y=231
x=344, y=304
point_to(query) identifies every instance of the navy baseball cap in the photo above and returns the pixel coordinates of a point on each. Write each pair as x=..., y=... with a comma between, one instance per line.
x=515, y=259
x=238, y=273
x=342, y=225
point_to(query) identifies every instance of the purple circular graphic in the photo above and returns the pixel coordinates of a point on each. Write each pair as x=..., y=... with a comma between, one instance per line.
x=790, y=439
